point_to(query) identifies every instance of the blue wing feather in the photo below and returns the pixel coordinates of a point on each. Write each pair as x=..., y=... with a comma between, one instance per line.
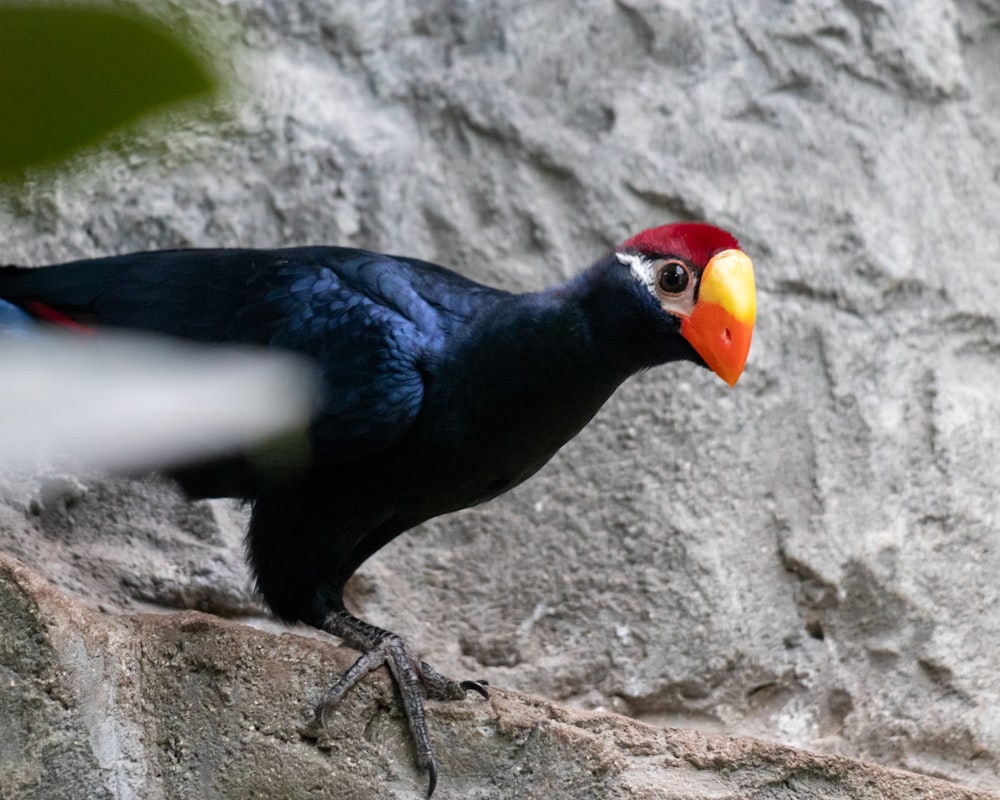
x=370, y=354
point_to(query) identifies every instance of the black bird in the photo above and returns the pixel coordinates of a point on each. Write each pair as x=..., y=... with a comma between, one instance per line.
x=437, y=392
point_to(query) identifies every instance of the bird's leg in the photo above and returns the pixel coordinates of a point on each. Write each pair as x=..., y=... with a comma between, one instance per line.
x=411, y=676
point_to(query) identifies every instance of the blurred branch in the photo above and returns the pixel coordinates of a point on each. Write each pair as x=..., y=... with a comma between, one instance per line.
x=127, y=401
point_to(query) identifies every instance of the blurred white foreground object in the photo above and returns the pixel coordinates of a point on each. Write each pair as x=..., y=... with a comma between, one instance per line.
x=127, y=402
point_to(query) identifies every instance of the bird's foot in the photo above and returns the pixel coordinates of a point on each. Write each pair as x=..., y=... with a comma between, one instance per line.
x=412, y=677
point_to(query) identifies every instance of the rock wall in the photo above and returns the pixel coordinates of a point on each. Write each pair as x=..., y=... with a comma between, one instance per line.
x=811, y=557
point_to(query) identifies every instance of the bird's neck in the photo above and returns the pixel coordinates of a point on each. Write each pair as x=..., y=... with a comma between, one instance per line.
x=572, y=344
x=612, y=322
x=554, y=337
x=524, y=375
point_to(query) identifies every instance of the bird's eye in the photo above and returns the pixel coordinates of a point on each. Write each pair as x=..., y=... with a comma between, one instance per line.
x=673, y=277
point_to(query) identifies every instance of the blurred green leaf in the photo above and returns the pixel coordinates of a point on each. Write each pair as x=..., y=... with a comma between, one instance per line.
x=69, y=74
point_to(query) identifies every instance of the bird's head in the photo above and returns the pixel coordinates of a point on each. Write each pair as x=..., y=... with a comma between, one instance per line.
x=698, y=273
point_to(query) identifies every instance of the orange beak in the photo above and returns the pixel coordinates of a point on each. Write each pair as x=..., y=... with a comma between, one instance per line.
x=721, y=325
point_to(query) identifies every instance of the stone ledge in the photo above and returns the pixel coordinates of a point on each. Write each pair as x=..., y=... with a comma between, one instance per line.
x=190, y=705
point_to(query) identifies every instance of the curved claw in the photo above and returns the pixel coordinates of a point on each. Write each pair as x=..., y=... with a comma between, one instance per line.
x=476, y=686
x=432, y=774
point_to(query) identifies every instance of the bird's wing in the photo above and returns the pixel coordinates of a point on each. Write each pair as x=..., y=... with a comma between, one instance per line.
x=357, y=314
x=370, y=333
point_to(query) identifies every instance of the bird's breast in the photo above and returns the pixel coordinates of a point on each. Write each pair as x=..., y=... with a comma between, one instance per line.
x=472, y=443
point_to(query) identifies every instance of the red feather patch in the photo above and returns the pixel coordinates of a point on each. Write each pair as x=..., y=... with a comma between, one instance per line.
x=49, y=314
x=695, y=242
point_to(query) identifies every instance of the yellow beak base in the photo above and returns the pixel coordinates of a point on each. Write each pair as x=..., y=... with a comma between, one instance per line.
x=721, y=325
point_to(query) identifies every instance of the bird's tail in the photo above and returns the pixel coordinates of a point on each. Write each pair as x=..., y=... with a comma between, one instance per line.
x=14, y=320
x=11, y=314
x=20, y=313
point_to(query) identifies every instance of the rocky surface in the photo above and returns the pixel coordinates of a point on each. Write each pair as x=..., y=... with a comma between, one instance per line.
x=189, y=705
x=809, y=558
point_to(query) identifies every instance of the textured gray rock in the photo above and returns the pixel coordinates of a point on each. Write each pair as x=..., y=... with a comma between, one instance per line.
x=810, y=558
x=189, y=705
